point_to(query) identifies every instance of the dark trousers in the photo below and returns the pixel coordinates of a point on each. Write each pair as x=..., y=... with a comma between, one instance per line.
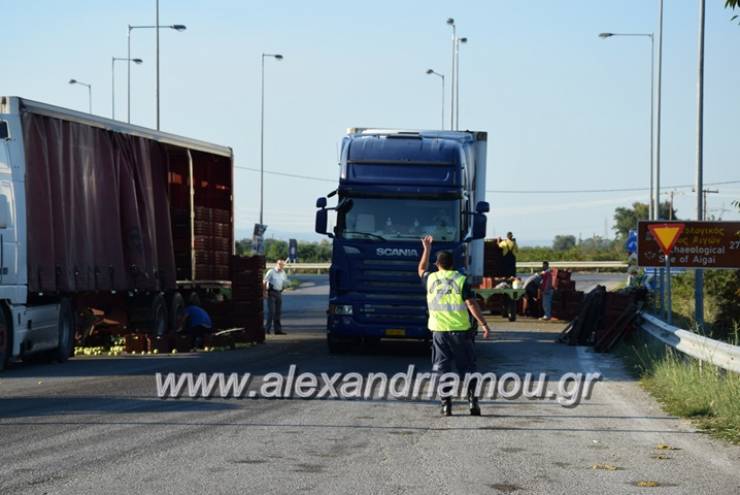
x=274, y=310
x=457, y=348
x=453, y=347
x=197, y=333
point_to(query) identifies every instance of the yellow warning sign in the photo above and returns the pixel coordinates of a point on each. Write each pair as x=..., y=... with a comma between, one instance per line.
x=666, y=235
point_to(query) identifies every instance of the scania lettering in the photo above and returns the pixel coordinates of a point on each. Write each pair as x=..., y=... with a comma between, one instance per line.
x=397, y=252
x=394, y=188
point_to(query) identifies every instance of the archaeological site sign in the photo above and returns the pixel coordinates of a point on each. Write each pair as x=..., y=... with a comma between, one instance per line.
x=698, y=245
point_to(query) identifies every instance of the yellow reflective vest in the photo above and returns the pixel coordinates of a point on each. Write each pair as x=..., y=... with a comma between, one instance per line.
x=447, y=309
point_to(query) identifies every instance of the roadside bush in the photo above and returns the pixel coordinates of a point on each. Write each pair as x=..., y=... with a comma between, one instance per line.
x=686, y=387
x=721, y=302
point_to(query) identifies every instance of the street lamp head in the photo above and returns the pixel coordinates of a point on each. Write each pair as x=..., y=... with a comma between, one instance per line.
x=136, y=60
x=179, y=27
x=430, y=71
x=73, y=81
x=451, y=21
x=278, y=57
x=463, y=40
x=606, y=35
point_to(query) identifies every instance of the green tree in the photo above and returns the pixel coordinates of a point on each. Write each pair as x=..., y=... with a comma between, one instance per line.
x=275, y=249
x=244, y=247
x=732, y=4
x=625, y=219
x=563, y=242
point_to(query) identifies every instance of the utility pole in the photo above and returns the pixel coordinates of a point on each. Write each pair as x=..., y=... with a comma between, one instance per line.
x=700, y=213
x=451, y=23
x=658, y=113
x=157, y=30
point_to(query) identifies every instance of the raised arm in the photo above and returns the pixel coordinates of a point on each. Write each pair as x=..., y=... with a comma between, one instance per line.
x=426, y=242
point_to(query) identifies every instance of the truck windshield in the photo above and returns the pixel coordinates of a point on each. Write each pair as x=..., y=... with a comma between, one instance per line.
x=401, y=219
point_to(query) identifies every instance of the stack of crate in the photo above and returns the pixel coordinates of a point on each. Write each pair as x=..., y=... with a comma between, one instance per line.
x=246, y=296
x=212, y=243
x=566, y=300
x=615, y=303
x=495, y=264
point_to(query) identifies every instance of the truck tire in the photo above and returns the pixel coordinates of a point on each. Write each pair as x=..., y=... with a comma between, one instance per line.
x=6, y=343
x=176, y=311
x=66, y=333
x=157, y=322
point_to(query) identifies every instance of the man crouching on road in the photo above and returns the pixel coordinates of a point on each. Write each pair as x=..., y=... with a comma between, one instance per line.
x=449, y=299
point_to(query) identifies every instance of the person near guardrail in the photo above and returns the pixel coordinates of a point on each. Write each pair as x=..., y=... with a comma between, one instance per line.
x=531, y=289
x=546, y=290
x=274, y=283
x=451, y=302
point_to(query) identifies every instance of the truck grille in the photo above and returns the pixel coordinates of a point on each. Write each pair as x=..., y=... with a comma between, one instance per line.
x=393, y=313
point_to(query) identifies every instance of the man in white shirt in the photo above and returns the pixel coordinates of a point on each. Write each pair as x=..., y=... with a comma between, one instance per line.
x=274, y=283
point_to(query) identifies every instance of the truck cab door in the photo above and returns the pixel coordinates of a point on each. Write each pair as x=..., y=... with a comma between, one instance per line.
x=8, y=220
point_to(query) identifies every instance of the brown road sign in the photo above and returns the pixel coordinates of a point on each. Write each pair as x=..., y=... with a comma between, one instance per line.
x=700, y=245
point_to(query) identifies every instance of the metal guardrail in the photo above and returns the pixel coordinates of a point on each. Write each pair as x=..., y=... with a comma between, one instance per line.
x=520, y=265
x=574, y=264
x=712, y=351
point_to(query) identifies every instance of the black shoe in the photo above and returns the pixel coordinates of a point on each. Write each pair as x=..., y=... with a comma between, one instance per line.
x=474, y=407
x=446, y=407
x=280, y=332
x=268, y=332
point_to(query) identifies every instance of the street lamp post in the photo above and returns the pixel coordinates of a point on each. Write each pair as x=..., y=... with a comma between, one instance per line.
x=89, y=92
x=652, y=204
x=157, y=26
x=113, y=80
x=276, y=56
x=451, y=23
x=457, y=80
x=442, y=77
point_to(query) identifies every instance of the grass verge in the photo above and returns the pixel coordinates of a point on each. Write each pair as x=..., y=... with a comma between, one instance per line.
x=686, y=387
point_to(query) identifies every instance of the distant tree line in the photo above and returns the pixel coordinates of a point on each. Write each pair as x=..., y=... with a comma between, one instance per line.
x=308, y=252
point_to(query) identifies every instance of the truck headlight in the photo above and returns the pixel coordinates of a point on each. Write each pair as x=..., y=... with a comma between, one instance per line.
x=340, y=309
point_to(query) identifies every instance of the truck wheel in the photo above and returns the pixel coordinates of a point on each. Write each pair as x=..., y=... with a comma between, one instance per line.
x=6, y=347
x=512, y=310
x=66, y=332
x=176, y=311
x=157, y=322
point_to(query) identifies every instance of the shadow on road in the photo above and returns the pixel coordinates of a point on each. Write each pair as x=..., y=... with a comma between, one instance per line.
x=68, y=406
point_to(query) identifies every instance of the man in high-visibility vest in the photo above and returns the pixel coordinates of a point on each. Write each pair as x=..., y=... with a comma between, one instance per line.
x=451, y=303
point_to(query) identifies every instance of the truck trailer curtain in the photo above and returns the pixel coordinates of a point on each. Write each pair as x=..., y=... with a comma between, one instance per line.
x=98, y=212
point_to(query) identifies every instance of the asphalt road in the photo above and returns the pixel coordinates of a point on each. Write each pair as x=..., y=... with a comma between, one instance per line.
x=94, y=425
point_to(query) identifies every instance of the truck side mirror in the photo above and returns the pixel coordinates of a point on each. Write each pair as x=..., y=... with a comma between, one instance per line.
x=482, y=207
x=321, y=221
x=321, y=202
x=479, y=226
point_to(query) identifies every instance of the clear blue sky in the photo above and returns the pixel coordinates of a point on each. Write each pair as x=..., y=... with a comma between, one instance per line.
x=563, y=108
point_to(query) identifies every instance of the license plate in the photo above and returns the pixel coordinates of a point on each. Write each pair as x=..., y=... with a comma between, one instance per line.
x=395, y=332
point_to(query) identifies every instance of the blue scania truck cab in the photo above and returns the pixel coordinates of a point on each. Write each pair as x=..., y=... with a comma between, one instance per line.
x=395, y=187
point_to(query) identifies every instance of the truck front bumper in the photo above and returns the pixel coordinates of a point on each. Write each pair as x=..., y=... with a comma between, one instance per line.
x=347, y=327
